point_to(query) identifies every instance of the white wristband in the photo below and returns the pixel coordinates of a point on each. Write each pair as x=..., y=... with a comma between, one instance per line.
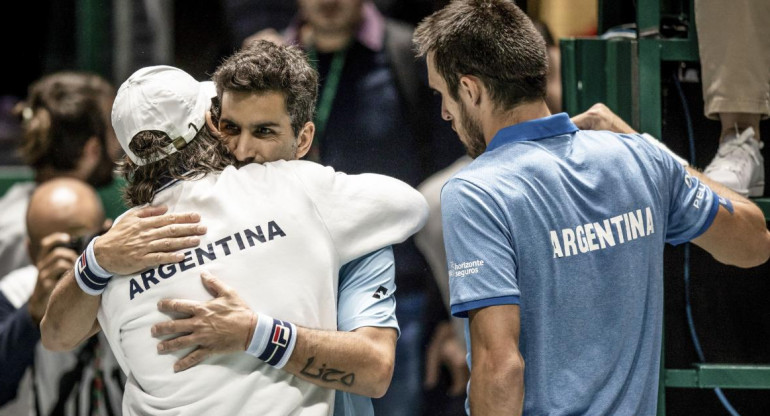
x=91, y=277
x=92, y=263
x=273, y=341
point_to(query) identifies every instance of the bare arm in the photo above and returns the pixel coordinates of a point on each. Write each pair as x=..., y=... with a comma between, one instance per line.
x=53, y=261
x=70, y=317
x=739, y=238
x=359, y=362
x=497, y=370
x=600, y=117
x=63, y=300
x=143, y=238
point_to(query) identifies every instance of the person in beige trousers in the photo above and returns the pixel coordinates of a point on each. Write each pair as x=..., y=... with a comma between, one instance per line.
x=734, y=43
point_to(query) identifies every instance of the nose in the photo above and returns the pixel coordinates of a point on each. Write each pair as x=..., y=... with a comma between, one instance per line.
x=445, y=114
x=240, y=148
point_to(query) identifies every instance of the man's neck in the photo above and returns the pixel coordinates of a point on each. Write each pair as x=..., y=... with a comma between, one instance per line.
x=48, y=173
x=497, y=120
x=326, y=42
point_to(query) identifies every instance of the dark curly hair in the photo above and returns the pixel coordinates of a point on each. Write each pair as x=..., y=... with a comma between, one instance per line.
x=264, y=66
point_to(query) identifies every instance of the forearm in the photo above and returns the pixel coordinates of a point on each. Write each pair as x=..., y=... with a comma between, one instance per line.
x=19, y=336
x=70, y=316
x=359, y=362
x=497, y=385
x=745, y=229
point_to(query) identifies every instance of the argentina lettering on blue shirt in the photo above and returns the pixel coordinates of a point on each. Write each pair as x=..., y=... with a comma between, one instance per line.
x=200, y=255
x=602, y=234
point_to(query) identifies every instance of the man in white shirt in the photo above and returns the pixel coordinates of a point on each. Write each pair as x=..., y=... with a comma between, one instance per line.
x=338, y=217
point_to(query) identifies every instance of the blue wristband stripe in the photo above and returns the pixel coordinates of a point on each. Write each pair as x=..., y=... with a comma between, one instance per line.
x=89, y=281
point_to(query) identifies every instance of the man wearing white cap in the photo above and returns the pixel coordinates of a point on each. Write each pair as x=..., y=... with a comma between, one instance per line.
x=277, y=233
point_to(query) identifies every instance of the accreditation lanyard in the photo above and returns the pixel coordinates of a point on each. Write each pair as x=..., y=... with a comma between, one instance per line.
x=328, y=94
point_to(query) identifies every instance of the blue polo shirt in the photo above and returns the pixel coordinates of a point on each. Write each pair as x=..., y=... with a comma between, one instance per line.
x=570, y=225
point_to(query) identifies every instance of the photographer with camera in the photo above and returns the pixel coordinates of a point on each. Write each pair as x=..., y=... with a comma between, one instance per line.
x=62, y=217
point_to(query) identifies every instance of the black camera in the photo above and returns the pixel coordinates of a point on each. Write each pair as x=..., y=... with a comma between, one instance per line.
x=79, y=244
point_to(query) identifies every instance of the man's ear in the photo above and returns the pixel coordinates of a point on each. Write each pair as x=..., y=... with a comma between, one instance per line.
x=210, y=124
x=93, y=148
x=89, y=160
x=305, y=139
x=470, y=89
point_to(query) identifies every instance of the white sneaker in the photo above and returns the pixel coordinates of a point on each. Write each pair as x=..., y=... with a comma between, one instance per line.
x=739, y=165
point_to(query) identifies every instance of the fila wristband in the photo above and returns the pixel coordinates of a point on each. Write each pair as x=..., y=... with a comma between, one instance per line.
x=91, y=277
x=273, y=341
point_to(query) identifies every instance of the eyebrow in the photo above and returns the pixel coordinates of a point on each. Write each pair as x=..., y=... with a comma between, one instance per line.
x=254, y=125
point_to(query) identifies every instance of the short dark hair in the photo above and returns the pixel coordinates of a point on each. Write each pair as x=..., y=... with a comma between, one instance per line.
x=264, y=66
x=62, y=111
x=493, y=40
x=204, y=154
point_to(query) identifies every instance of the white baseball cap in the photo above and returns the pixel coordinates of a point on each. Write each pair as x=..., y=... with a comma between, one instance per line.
x=161, y=98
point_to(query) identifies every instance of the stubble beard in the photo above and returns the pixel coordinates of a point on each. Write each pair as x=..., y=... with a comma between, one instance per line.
x=474, y=141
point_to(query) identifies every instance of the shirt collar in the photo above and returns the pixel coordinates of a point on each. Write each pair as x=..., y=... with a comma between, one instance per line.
x=537, y=129
x=371, y=32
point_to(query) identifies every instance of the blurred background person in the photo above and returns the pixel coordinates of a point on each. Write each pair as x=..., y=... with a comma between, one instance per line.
x=63, y=214
x=65, y=132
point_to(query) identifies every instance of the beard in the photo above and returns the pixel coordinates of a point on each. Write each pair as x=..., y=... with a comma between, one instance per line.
x=472, y=136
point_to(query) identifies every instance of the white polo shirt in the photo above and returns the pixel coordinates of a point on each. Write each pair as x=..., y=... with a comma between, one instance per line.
x=278, y=234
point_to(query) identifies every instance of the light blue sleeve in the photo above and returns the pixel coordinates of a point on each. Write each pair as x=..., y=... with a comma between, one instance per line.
x=692, y=206
x=480, y=256
x=365, y=298
x=366, y=292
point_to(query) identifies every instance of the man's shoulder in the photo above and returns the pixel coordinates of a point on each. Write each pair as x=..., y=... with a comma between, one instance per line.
x=481, y=172
x=18, y=285
x=15, y=201
x=436, y=181
x=468, y=185
x=18, y=192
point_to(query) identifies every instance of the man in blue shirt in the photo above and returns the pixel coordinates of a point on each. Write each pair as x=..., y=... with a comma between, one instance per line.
x=555, y=235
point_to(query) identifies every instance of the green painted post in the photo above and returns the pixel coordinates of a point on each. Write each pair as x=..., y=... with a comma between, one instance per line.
x=569, y=75
x=92, y=18
x=619, y=80
x=649, y=87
